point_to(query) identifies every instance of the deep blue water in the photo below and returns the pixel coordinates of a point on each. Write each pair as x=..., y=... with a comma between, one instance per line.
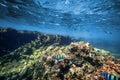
x=95, y=21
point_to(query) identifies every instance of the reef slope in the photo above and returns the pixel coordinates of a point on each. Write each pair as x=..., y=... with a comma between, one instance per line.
x=47, y=60
x=11, y=39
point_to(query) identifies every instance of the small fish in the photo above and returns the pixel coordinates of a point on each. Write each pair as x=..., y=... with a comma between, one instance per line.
x=58, y=56
x=110, y=76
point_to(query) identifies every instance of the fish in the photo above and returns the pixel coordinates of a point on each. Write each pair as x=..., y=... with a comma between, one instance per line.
x=110, y=76
x=58, y=57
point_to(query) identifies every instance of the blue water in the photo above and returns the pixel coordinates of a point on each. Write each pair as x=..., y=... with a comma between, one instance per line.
x=95, y=21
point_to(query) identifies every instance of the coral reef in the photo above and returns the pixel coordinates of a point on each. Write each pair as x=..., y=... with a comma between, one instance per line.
x=18, y=38
x=76, y=61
